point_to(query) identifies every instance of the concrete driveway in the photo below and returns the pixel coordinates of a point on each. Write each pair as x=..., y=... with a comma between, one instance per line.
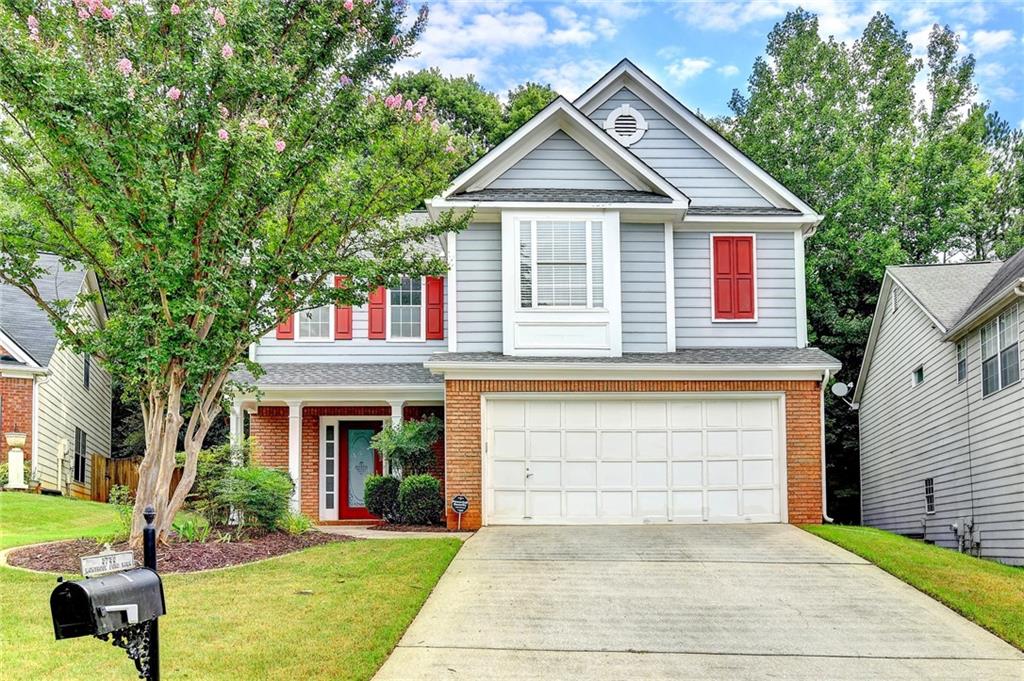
x=683, y=602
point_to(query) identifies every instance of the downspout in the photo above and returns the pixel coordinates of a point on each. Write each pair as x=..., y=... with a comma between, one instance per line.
x=824, y=492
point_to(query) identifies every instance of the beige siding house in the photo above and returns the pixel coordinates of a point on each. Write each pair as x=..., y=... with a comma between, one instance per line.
x=942, y=407
x=65, y=396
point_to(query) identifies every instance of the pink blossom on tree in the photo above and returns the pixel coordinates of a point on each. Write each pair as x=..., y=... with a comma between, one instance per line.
x=33, y=28
x=219, y=18
x=263, y=123
x=227, y=51
x=417, y=117
x=124, y=65
x=279, y=145
x=175, y=10
x=223, y=135
x=349, y=5
x=345, y=80
x=174, y=94
x=435, y=126
x=106, y=13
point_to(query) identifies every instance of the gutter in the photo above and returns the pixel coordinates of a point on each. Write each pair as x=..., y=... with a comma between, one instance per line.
x=440, y=367
x=824, y=485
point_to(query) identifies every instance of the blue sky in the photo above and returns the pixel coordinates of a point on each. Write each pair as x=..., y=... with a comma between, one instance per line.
x=698, y=50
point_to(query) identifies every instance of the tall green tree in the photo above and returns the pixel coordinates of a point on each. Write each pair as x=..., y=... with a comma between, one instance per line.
x=216, y=165
x=898, y=181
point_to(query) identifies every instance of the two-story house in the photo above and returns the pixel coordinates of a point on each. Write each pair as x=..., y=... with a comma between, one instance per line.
x=621, y=336
x=941, y=407
x=60, y=399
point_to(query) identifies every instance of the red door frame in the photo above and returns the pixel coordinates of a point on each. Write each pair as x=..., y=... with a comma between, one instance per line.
x=344, y=511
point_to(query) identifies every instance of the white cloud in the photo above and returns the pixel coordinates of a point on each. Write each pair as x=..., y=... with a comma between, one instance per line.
x=688, y=67
x=840, y=18
x=1004, y=92
x=973, y=13
x=728, y=70
x=569, y=79
x=575, y=29
x=606, y=27
x=985, y=42
x=615, y=9
x=991, y=70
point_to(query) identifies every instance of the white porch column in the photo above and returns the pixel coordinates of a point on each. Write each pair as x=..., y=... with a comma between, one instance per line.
x=295, y=449
x=235, y=421
x=396, y=420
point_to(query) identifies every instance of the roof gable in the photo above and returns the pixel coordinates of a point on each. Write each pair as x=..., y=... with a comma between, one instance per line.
x=559, y=162
x=945, y=291
x=562, y=116
x=639, y=84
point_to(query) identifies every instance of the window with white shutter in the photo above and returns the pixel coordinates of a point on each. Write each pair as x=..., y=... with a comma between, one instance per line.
x=561, y=263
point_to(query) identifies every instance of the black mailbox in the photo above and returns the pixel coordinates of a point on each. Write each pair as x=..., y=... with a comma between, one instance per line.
x=101, y=605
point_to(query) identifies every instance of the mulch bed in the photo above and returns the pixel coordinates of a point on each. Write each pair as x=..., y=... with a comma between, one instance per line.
x=390, y=527
x=177, y=556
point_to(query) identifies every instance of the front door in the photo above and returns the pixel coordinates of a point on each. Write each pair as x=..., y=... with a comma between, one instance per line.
x=358, y=462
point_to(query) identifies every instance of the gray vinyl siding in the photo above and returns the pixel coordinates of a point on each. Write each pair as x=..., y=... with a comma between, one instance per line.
x=478, y=288
x=559, y=162
x=681, y=160
x=775, y=289
x=941, y=430
x=643, y=288
x=359, y=350
x=65, y=403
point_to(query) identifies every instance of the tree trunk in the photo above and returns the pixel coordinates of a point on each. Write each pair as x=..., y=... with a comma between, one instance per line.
x=161, y=414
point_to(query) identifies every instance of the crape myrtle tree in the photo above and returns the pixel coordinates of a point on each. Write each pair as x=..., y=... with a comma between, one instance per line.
x=217, y=163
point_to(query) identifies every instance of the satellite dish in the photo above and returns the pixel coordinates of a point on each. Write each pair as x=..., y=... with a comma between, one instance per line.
x=840, y=389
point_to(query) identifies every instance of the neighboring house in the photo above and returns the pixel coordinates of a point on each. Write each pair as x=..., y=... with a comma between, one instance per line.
x=621, y=336
x=61, y=399
x=942, y=407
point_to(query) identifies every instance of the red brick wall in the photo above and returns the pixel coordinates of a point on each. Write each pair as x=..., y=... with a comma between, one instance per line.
x=803, y=433
x=16, y=395
x=268, y=429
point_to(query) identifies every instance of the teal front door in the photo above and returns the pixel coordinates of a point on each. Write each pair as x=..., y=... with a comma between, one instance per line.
x=358, y=462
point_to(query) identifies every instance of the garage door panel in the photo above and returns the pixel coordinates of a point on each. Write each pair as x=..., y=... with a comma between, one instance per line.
x=722, y=443
x=614, y=474
x=546, y=445
x=652, y=445
x=633, y=460
x=651, y=474
x=616, y=445
x=580, y=474
x=687, y=474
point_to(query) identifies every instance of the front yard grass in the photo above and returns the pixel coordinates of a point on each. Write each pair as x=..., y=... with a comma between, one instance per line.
x=34, y=518
x=330, y=612
x=986, y=592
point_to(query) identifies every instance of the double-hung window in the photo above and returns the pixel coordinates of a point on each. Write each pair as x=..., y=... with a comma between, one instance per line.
x=1000, y=352
x=561, y=263
x=80, y=450
x=315, y=324
x=405, y=307
x=929, y=495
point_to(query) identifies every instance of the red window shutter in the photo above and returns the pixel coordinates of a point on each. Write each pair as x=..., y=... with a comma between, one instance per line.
x=378, y=314
x=342, y=315
x=733, y=275
x=286, y=329
x=435, y=308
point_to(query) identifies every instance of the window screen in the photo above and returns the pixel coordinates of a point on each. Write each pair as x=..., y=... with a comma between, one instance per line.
x=407, y=309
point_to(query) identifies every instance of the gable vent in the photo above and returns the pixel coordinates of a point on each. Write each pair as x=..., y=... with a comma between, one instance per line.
x=626, y=125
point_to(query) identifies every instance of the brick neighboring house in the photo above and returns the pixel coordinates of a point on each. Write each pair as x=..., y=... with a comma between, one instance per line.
x=60, y=399
x=621, y=336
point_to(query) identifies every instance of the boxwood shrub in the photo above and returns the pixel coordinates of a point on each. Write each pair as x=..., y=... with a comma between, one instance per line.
x=381, y=495
x=420, y=501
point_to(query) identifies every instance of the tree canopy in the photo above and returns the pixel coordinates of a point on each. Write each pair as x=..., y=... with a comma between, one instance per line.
x=216, y=166
x=898, y=180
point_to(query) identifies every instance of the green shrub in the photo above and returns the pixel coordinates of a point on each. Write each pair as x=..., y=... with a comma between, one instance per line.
x=3, y=474
x=259, y=496
x=212, y=467
x=410, y=446
x=381, y=495
x=121, y=497
x=420, y=501
x=192, y=529
x=296, y=524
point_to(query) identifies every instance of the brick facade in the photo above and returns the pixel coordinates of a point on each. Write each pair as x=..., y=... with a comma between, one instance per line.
x=268, y=428
x=803, y=432
x=16, y=399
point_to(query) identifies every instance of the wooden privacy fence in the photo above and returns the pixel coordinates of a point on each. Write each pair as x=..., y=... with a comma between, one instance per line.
x=109, y=472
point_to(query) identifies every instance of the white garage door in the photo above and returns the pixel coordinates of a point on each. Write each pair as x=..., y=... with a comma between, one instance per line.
x=632, y=460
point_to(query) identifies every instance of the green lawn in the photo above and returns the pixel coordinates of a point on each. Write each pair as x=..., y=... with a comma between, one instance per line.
x=32, y=518
x=984, y=591
x=253, y=621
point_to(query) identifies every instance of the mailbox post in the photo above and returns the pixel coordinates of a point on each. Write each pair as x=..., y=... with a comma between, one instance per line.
x=122, y=607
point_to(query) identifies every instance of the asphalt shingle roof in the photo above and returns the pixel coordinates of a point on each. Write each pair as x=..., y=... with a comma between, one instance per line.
x=741, y=210
x=563, y=195
x=809, y=357
x=947, y=291
x=21, y=318
x=312, y=373
x=1010, y=271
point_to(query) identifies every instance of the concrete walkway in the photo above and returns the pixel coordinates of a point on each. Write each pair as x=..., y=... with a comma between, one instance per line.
x=683, y=602
x=361, y=532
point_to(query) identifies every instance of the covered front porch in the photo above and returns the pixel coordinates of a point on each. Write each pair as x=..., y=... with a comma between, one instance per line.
x=320, y=432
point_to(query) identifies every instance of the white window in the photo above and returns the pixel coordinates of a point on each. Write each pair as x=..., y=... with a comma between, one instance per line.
x=1000, y=357
x=406, y=310
x=315, y=324
x=561, y=263
x=961, y=361
x=929, y=495
x=919, y=375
